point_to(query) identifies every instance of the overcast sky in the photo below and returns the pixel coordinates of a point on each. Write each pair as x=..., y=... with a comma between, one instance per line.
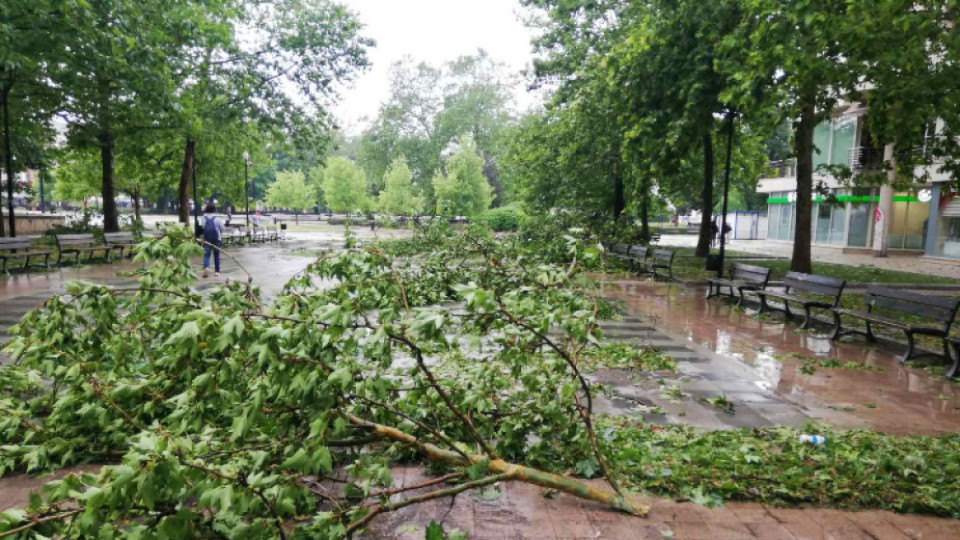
x=433, y=31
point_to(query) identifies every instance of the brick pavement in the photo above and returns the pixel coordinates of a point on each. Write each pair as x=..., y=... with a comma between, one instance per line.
x=522, y=512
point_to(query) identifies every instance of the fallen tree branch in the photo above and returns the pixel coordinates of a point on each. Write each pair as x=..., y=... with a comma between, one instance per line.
x=515, y=472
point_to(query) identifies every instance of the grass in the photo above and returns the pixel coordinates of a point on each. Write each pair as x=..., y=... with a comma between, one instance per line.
x=854, y=469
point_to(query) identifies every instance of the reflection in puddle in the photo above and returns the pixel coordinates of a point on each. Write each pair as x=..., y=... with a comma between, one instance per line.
x=889, y=397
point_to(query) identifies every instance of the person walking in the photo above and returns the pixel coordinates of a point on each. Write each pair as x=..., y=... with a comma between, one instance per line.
x=213, y=240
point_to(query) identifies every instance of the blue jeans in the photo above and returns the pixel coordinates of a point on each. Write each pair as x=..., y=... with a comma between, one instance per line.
x=216, y=257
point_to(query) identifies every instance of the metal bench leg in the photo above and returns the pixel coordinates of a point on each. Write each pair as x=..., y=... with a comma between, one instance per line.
x=46, y=261
x=763, y=303
x=786, y=310
x=837, y=326
x=740, y=301
x=871, y=338
x=952, y=370
x=806, y=318
x=909, y=354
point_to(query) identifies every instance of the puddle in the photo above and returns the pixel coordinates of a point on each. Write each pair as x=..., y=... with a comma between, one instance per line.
x=888, y=397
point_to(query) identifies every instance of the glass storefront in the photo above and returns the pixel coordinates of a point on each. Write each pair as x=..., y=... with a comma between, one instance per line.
x=780, y=216
x=846, y=218
x=861, y=219
x=909, y=225
x=948, y=227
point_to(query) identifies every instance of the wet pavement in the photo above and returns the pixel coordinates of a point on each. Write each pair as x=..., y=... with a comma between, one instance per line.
x=521, y=511
x=271, y=265
x=756, y=362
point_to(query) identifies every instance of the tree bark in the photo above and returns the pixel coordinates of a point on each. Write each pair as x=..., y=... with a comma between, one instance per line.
x=706, y=197
x=183, y=191
x=515, y=472
x=803, y=147
x=645, y=211
x=110, y=222
x=619, y=202
x=136, y=205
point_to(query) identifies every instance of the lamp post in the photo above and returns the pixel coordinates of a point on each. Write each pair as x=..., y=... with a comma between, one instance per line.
x=246, y=197
x=196, y=201
x=726, y=191
x=43, y=202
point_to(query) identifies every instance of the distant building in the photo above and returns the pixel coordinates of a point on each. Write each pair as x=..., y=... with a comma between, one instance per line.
x=924, y=219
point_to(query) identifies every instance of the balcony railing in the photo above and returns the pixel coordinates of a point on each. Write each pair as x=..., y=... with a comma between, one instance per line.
x=865, y=158
x=779, y=169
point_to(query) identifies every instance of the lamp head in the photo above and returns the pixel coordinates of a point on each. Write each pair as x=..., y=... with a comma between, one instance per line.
x=246, y=156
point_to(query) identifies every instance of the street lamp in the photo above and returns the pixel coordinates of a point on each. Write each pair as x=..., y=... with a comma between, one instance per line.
x=726, y=189
x=196, y=201
x=246, y=196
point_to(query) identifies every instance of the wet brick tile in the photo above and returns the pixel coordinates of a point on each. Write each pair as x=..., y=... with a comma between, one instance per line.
x=751, y=513
x=770, y=531
x=730, y=531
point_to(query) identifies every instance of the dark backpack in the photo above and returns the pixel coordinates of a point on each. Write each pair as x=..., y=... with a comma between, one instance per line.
x=211, y=233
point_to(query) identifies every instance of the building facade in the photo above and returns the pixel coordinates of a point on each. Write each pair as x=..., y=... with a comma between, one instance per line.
x=923, y=220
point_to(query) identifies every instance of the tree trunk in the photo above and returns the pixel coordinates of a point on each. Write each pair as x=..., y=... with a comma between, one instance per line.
x=803, y=147
x=645, y=212
x=136, y=205
x=618, y=198
x=183, y=191
x=110, y=222
x=706, y=197
x=8, y=158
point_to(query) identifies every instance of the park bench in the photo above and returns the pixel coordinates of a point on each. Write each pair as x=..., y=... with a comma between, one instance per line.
x=662, y=259
x=238, y=236
x=637, y=258
x=619, y=251
x=934, y=316
x=952, y=370
x=79, y=244
x=743, y=277
x=259, y=234
x=121, y=240
x=20, y=248
x=808, y=290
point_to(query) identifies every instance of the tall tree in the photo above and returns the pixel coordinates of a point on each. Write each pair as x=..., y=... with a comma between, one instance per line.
x=397, y=196
x=802, y=67
x=238, y=76
x=344, y=186
x=29, y=39
x=463, y=190
x=290, y=191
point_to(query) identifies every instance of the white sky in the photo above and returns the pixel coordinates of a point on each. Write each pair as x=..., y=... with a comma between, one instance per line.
x=432, y=31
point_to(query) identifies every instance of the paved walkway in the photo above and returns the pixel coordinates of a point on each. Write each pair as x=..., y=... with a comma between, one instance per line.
x=905, y=262
x=522, y=512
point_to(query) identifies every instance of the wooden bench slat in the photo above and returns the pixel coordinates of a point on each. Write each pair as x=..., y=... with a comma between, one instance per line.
x=939, y=312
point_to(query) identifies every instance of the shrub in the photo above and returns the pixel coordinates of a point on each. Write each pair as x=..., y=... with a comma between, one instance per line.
x=505, y=218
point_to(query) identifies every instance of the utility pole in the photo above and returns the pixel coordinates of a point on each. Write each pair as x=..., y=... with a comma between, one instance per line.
x=246, y=196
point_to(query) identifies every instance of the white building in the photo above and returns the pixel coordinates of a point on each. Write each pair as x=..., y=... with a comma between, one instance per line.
x=924, y=219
